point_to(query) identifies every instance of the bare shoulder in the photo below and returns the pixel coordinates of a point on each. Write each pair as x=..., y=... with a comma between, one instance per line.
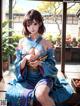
x=21, y=40
x=20, y=44
x=46, y=44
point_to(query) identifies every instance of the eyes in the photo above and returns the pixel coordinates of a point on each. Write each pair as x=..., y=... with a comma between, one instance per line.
x=34, y=24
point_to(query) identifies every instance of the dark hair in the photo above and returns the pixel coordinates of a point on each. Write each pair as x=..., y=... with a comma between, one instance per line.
x=28, y=19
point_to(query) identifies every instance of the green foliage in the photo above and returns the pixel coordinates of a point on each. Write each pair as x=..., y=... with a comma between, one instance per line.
x=79, y=39
x=49, y=7
x=48, y=36
x=16, y=37
x=56, y=7
x=7, y=47
x=57, y=39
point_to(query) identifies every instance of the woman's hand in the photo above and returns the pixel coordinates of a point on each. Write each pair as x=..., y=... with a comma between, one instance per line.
x=35, y=64
x=31, y=57
x=28, y=57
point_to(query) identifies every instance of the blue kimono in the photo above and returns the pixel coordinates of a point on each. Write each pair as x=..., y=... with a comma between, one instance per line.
x=21, y=91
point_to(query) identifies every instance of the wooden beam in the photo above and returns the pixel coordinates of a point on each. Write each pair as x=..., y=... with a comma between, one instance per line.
x=10, y=16
x=10, y=22
x=54, y=0
x=63, y=37
x=49, y=0
x=72, y=1
x=1, y=40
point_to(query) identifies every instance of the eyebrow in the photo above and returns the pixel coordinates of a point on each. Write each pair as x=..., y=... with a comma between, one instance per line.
x=30, y=22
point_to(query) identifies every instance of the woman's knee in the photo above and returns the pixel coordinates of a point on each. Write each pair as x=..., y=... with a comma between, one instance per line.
x=41, y=92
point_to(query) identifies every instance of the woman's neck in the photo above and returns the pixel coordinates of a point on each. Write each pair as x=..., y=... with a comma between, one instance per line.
x=34, y=36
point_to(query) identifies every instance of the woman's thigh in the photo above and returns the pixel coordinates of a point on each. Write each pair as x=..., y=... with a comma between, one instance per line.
x=44, y=86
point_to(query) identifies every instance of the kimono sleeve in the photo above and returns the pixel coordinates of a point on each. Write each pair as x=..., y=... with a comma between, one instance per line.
x=49, y=65
x=20, y=75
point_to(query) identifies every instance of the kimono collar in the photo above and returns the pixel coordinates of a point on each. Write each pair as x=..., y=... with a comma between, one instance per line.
x=37, y=40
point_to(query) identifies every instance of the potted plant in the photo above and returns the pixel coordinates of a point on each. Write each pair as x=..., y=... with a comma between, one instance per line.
x=7, y=48
x=78, y=42
x=74, y=42
x=15, y=40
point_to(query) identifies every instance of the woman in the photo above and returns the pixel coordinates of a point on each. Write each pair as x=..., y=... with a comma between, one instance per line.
x=36, y=78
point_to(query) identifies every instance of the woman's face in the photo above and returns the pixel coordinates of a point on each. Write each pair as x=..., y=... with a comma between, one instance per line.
x=33, y=27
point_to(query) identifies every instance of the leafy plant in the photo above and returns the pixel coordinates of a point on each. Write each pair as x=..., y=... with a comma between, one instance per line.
x=7, y=47
x=79, y=39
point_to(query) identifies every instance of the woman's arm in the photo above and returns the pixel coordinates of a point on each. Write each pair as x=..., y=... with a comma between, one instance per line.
x=25, y=60
x=23, y=63
x=46, y=44
x=20, y=64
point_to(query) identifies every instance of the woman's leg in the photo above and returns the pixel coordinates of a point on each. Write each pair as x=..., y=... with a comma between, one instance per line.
x=42, y=95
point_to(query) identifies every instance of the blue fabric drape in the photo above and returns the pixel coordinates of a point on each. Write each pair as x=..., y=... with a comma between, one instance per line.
x=23, y=87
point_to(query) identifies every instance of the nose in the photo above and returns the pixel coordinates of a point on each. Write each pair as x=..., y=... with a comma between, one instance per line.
x=32, y=27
